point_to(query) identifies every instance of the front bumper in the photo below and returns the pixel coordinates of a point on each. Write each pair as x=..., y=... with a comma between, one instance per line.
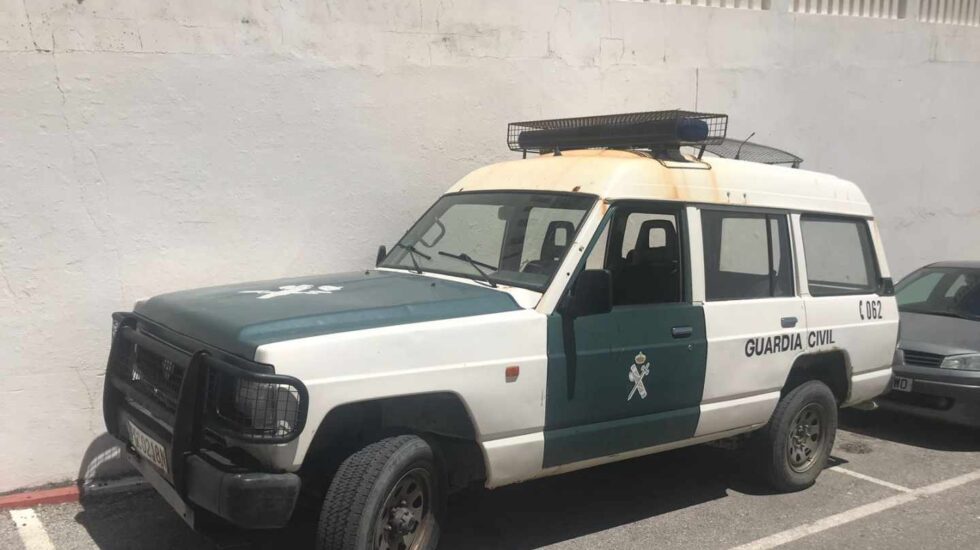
x=198, y=467
x=945, y=395
x=250, y=500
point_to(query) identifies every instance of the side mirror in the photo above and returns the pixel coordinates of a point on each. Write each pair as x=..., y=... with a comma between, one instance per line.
x=382, y=254
x=591, y=293
x=886, y=287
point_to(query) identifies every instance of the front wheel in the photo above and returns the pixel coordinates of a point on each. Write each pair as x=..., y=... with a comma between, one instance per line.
x=387, y=496
x=794, y=447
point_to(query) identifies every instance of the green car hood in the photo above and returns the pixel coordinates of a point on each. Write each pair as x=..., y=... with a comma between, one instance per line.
x=241, y=317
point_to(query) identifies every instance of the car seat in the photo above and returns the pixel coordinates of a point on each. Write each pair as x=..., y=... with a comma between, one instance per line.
x=551, y=249
x=650, y=273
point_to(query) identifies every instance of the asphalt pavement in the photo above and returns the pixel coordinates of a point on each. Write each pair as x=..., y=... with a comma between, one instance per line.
x=894, y=482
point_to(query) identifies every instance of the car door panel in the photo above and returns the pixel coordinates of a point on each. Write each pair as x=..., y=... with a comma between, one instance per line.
x=624, y=380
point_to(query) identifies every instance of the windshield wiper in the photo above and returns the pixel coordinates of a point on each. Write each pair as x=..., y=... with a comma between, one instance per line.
x=476, y=265
x=412, y=251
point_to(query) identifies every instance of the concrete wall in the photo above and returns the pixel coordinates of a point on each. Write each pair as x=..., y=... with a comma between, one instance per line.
x=153, y=146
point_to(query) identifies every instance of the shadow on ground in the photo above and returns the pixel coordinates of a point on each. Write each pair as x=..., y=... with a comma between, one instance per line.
x=523, y=516
x=551, y=510
x=911, y=430
x=532, y=514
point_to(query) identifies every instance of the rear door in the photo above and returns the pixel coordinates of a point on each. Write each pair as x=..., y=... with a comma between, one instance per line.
x=631, y=378
x=755, y=319
x=848, y=305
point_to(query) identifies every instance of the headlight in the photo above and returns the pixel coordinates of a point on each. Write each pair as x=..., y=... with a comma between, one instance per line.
x=259, y=408
x=267, y=408
x=962, y=362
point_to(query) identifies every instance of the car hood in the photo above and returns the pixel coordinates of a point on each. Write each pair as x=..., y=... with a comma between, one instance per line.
x=241, y=317
x=939, y=334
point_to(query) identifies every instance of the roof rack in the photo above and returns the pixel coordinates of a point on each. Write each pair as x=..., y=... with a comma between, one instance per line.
x=753, y=152
x=661, y=132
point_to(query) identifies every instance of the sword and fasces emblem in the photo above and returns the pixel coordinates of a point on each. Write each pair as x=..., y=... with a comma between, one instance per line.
x=638, y=372
x=293, y=289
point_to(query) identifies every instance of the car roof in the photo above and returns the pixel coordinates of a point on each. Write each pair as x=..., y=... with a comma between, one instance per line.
x=617, y=174
x=957, y=264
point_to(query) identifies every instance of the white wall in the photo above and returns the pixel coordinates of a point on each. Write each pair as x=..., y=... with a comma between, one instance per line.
x=153, y=146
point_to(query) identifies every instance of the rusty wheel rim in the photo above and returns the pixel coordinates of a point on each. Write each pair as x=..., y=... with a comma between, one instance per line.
x=805, y=438
x=403, y=522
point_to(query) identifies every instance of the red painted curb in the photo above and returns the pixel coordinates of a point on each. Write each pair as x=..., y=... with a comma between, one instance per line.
x=28, y=499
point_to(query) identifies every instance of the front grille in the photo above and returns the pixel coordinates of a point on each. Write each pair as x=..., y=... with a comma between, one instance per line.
x=922, y=359
x=150, y=374
x=158, y=377
x=225, y=396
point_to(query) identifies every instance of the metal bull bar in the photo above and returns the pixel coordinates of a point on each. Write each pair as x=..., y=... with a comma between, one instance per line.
x=192, y=414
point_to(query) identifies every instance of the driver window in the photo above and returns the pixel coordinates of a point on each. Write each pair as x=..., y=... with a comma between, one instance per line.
x=641, y=248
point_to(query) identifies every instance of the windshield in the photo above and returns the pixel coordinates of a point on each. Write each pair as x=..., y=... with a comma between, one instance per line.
x=948, y=291
x=513, y=238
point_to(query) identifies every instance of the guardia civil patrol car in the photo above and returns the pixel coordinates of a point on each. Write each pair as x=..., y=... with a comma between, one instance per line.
x=641, y=283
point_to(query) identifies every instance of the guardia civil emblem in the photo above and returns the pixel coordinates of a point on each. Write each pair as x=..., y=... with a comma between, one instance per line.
x=289, y=290
x=638, y=371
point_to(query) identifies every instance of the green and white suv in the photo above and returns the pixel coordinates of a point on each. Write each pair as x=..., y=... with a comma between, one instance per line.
x=606, y=299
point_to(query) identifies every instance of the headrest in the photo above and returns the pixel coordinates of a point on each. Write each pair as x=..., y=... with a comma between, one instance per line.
x=670, y=234
x=968, y=299
x=550, y=248
x=645, y=254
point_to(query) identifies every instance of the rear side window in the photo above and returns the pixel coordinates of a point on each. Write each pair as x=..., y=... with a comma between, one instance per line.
x=839, y=256
x=746, y=255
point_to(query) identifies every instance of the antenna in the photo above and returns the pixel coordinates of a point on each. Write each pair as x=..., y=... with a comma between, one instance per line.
x=752, y=152
x=739, y=152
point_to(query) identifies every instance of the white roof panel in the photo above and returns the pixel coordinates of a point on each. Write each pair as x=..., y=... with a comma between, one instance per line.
x=613, y=174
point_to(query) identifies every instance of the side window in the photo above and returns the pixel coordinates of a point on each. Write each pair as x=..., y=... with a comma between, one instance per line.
x=641, y=248
x=657, y=234
x=746, y=255
x=839, y=256
x=957, y=285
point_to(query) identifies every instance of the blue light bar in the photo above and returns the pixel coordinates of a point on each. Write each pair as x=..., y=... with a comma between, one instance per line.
x=656, y=130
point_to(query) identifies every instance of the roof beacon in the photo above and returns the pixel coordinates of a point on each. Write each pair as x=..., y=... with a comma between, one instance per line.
x=662, y=133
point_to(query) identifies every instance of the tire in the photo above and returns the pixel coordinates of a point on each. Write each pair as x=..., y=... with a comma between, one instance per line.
x=790, y=457
x=389, y=494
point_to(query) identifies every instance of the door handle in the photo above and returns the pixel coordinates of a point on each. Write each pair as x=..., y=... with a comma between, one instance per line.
x=788, y=322
x=681, y=332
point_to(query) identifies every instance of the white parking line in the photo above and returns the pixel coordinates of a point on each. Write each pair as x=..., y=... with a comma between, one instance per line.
x=31, y=530
x=881, y=482
x=790, y=535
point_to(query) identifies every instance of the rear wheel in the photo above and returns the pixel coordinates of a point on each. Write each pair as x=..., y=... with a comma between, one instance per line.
x=387, y=496
x=794, y=447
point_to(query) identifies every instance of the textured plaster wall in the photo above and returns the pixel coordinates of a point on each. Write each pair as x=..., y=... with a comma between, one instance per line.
x=154, y=146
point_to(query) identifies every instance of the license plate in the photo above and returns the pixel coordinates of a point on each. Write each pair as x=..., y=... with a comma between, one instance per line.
x=147, y=447
x=900, y=383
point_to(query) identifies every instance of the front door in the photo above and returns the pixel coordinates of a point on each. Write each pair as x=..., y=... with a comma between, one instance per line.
x=631, y=378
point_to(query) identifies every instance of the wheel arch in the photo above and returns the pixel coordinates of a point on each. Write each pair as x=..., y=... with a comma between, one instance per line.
x=441, y=417
x=832, y=367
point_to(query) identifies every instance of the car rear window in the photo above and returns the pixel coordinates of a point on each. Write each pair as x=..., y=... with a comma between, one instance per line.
x=839, y=256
